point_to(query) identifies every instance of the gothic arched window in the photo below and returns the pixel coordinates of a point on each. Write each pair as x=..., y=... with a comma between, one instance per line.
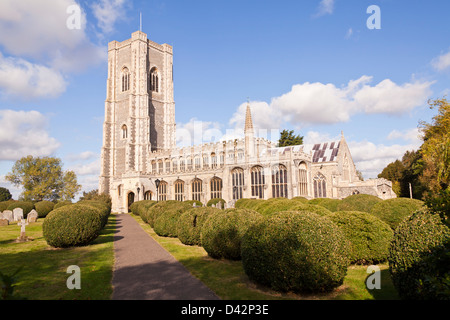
x=196, y=189
x=302, y=180
x=237, y=178
x=258, y=182
x=279, y=182
x=125, y=79
x=154, y=80
x=320, y=186
x=179, y=190
x=162, y=191
x=216, y=188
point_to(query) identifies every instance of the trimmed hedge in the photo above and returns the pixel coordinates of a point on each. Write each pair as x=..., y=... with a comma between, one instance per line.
x=330, y=204
x=140, y=207
x=369, y=236
x=62, y=204
x=358, y=202
x=26, y=206
x=149, y=215
x=251, y=204
x=415, y=242
x=43, y=208
x=165, y=220
x=222, y=232
x=5, y=204
x=191, y=202
x=190, y=223
x=104, y=209
x=215, y=201
x=295, y=252
x=74, y=225
x=394, y=211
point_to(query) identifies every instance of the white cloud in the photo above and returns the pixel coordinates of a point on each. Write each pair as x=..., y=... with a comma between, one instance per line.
x=36, y=37
x=196, y=132
x=325, y=7
x=318, y=103
x=264, y=116
x=349, y=33
x=24, y=133
x=86, y=155
x=442, y=62
x=21, y=78
x=412, y=135
x=107, y=13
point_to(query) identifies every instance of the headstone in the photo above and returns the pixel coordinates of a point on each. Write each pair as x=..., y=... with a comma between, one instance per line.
x=18, y=214
x=4, y=222
x=32, y=216
x=8, y=214
x=219, y=204
x=1, y=215
x=22, y=223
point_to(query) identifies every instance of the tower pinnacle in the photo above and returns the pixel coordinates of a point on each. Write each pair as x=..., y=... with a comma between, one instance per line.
x=248, y=120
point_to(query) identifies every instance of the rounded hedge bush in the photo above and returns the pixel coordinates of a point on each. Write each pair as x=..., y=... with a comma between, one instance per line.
x=139, y=207
x=104, y=209
x=165, y=221
x=190, y=223
x=295, y=252
x=222, y=232
x=369, y=236
x=26, y=206
x=149, y=215
x=415, y=240
x=330, y=204
x=74, y=225
x=215, y=201
x=394, y=211
x=251, y=204
x=192, y=202
x=62, y=204
x=358, y=202
x=5, y=204
x=43, y=208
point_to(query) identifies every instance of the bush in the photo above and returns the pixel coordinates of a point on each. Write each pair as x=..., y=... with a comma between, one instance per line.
x=140, y=207
x=25, y=205
x=276, y=205
x=150, y=215
x=394, y=211
x=43, y=208
x=416, y=240
x=251, y=204
x=330, y=204
x=222, y=232
x=358, y=202
x=62, y=204
x=103, y=207
x=295, y=252
x=5, y=204
x=215, y=201
x=369, y=236
x=192, y=202
x=165, y=220
x=74, y=225
x=190, y=224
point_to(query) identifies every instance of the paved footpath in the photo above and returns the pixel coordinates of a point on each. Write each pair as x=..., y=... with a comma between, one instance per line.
x=143, y=270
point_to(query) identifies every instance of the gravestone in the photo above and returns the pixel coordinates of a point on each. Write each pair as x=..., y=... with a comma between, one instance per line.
x=8, y=214
x=22, y=238
x=18, y=214
x=32, y=216
x=1, y=215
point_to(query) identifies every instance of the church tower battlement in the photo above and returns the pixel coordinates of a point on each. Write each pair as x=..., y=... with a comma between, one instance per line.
x=139, y=106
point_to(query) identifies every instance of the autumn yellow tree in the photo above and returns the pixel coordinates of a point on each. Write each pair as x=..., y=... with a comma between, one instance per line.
x=435, y=149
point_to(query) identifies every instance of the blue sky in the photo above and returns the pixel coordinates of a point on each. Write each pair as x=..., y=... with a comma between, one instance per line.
x=312, y=66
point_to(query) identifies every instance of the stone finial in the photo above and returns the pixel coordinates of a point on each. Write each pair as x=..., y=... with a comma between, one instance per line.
x=248, y=119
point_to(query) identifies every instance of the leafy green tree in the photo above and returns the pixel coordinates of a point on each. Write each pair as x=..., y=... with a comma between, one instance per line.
x=4, y=194
x=43, y=179
x=288, y=138
x=435, y=149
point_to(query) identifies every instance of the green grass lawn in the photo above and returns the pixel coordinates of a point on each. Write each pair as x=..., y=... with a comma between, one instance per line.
x=44, y=272
x=229, y=281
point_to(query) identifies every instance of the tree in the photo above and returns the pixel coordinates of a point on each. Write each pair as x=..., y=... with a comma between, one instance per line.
x=287, y=138
x=43, y=179
x=4, y=194
x=435, y=149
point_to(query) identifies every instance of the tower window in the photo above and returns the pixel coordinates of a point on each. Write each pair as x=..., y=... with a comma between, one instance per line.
x=125, y=80
x=154, y=80
x=124, y=132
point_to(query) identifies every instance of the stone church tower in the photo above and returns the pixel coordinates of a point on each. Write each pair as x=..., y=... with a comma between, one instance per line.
x=139, y=107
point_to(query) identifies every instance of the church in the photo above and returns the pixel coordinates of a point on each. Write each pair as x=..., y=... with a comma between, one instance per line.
x=140, y=159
